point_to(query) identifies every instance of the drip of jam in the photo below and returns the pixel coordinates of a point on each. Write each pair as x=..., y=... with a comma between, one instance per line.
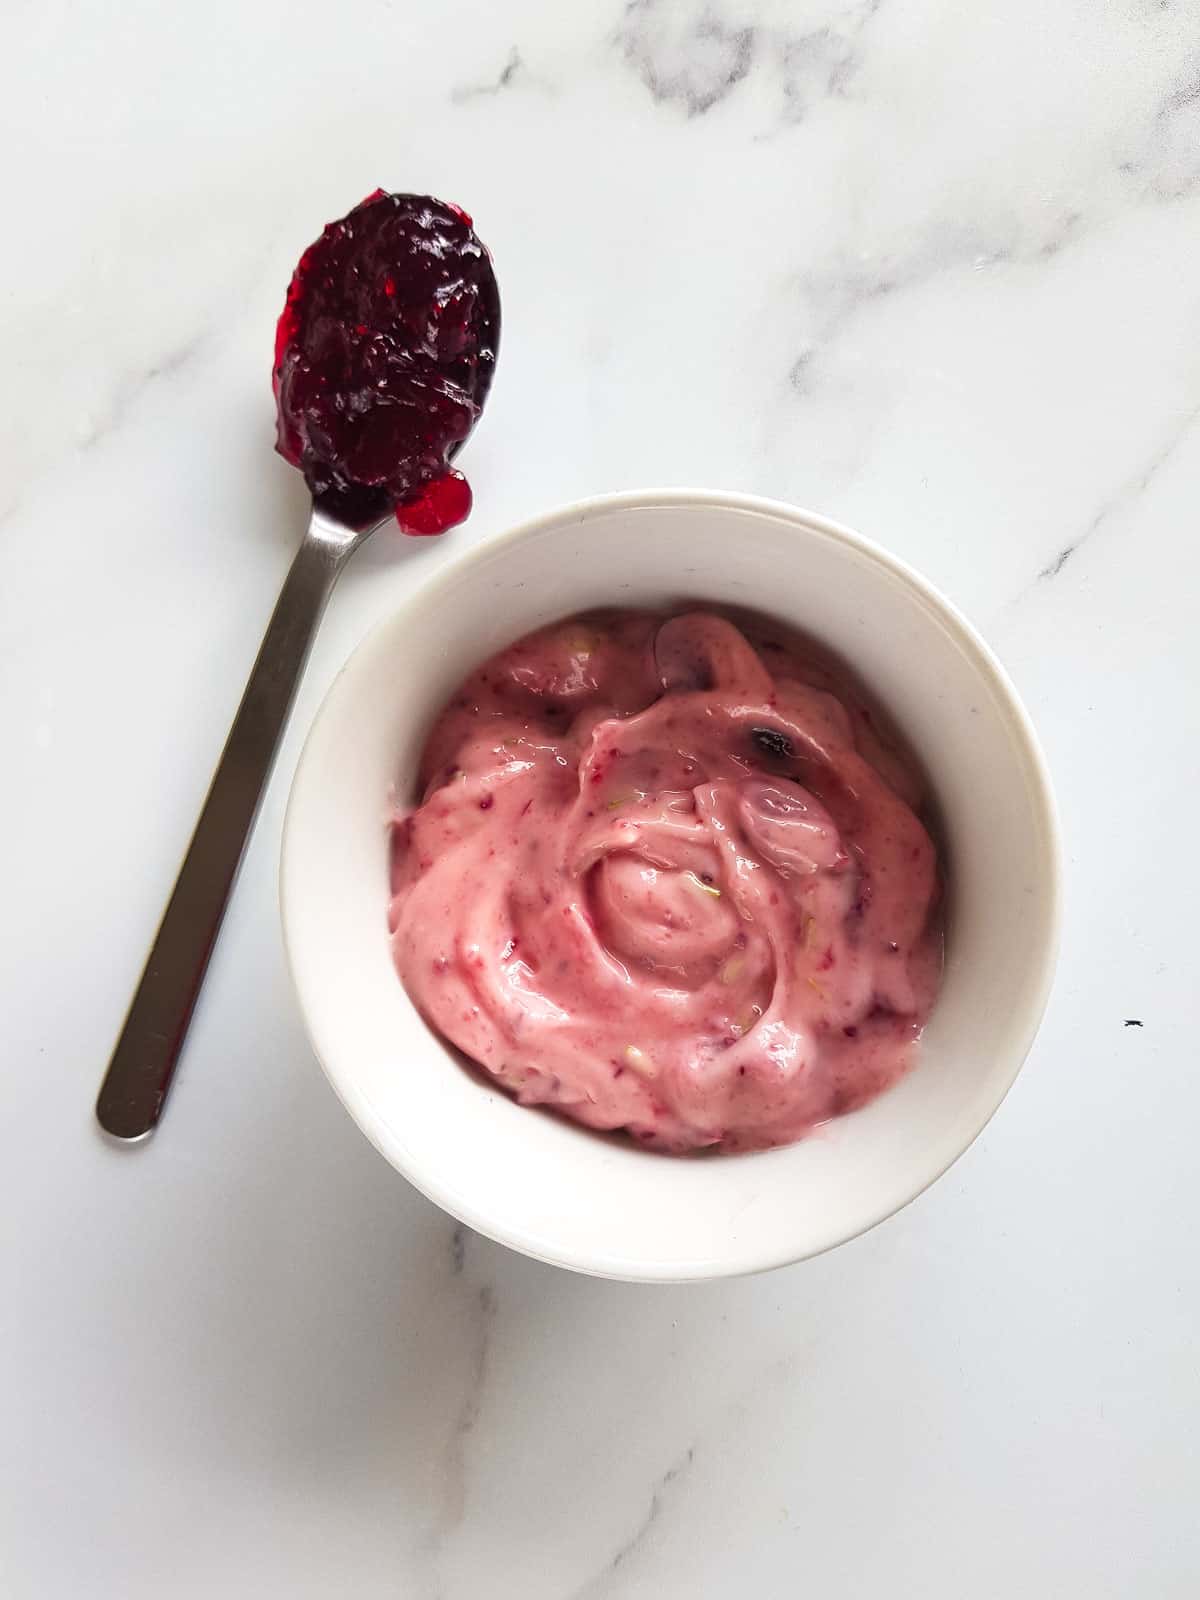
x=384, y=356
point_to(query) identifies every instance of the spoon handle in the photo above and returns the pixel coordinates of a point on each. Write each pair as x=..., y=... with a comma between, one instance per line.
x=142, y=1066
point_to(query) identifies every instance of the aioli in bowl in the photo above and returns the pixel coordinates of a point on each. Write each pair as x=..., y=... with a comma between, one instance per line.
x=669, y=876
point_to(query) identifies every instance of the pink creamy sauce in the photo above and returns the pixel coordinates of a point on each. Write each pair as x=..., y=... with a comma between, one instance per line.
x=669, y=880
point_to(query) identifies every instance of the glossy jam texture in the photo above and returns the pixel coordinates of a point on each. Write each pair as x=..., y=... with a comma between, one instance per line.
x=668, y=875
x=384, y=355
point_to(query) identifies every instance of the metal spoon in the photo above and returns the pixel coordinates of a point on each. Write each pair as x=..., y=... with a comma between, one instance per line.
x=143, y=1063
x=139, y=1075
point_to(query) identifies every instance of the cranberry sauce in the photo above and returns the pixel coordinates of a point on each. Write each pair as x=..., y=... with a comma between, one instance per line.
x=384, y=356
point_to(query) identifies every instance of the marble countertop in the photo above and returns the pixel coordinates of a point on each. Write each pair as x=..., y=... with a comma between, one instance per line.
x=926, y=267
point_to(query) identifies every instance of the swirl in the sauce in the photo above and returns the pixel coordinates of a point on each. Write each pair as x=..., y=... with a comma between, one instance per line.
x=665, y=880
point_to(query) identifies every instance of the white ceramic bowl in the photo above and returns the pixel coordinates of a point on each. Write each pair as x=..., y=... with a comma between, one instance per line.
x=531, y=1179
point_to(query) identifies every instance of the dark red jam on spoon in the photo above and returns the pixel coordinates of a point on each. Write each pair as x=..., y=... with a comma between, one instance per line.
x=384, y=356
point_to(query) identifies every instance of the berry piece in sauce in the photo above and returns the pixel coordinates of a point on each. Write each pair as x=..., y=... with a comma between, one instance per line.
x=384, y=355
x=773, y=742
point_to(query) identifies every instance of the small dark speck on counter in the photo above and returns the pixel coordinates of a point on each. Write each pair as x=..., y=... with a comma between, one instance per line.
x=1133, y=1022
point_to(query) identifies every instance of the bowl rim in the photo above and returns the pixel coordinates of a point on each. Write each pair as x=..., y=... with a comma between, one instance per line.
x=341, y=1076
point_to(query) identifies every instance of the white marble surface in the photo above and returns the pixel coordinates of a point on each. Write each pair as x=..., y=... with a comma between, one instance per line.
x=925, y=266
